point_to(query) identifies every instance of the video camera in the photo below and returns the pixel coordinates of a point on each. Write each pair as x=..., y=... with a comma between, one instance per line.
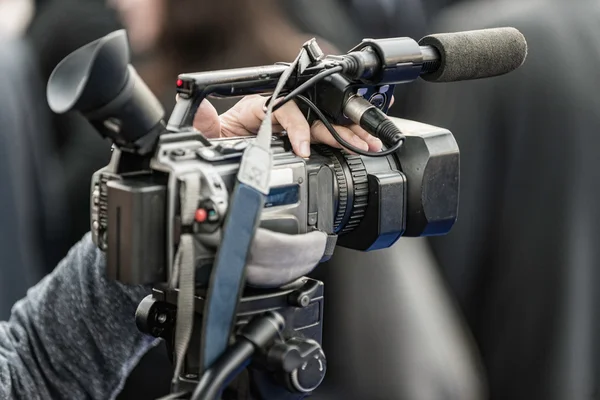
x=179, y=212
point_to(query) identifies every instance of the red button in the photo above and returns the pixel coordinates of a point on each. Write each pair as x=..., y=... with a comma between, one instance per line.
x=201, y=215
x=179, y=83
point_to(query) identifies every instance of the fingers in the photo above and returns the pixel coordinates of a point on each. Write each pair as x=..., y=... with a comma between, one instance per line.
x=300, y=134
x=207, y=120
x=294, y=122
x=246, y=117
x=373, y=143
x=321, y=134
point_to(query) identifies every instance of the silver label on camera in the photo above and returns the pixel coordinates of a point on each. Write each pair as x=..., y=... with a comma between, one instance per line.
x=281, y=177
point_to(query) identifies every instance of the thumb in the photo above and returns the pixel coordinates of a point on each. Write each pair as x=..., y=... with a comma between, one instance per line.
x=207, y=120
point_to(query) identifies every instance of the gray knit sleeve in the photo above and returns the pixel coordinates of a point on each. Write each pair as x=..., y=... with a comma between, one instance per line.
x=74, y=335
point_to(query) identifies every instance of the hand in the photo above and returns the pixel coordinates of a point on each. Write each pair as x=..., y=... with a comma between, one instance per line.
x=245, y=117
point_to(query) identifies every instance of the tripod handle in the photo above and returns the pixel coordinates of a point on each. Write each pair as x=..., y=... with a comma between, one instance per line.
x=254, y=336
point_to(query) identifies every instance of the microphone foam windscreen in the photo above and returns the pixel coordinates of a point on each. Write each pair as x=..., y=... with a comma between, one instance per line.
x=476, y=54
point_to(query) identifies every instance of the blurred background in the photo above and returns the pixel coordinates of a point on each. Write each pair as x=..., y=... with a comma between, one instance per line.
x=501, y=308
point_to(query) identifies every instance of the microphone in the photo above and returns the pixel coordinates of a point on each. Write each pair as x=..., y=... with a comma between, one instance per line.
x=474, y=54
x=444, y=57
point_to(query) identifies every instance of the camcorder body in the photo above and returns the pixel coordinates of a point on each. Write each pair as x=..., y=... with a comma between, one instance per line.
x=161, y=208
x=368, y=202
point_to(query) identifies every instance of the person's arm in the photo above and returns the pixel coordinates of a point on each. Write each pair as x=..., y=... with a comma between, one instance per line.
x=74, y=335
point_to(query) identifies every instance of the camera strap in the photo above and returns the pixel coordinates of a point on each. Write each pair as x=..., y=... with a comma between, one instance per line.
x=184, y=271
x=246, y=204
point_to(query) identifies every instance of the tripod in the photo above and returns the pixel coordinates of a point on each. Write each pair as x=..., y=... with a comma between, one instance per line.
x=275, y=354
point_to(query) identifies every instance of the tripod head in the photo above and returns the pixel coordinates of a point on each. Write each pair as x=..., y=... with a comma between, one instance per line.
x=265, y=339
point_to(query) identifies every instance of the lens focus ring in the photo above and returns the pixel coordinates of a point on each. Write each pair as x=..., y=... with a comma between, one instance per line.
x=360, y=185
x=352, y=188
